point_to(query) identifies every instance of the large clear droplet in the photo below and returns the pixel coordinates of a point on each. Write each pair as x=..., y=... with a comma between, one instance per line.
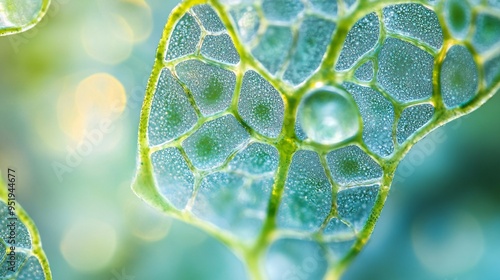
x=328, y=115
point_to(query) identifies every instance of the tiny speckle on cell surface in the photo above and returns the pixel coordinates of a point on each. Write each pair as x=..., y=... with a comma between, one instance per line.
x=184, y=38
x=405, y=71
x=308, y=194
x=458, y=77
x=211, y=144
x=260, y=105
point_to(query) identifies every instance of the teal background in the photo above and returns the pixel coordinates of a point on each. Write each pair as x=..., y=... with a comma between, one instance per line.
x=445, y=209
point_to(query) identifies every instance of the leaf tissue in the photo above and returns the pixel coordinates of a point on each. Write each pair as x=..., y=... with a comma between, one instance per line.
x=20, y=15
x=277, y=126
x=21, y=254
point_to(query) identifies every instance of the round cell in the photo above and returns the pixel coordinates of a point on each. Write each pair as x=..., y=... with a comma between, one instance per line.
x=328, y=115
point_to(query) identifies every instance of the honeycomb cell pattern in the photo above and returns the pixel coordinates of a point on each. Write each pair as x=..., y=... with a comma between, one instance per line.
x=221, y=141
x=18, y=231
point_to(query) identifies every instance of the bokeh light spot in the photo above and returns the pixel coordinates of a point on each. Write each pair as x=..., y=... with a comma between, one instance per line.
x=89, y=245
x=448, y=243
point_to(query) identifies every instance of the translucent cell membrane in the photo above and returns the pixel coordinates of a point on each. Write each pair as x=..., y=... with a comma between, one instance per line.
x=232, y=162
x=337, y=228
x=8, y=271
x=209, y=19
x=273, y=47
x=19, y=14
x=21, y=256
x=171, y=113
x=257, y=158
x=173, y=177
x=299, y=131
x=184, y=38
x=351, y=165
x=295, y=259
x=212, y=46
x=211, y=86
x=361, y=38
x=355, y=205
x=405, y=71
x=492, y=70
x=328, y=116
x=349, y=3
x=459, y=76
x=31, y=270
x=365, y=72
x=247, y=21
x=412, y=119
x=210, y=146
x=233, y=202
x=260, y=105
x=326, y=7
x=307, y=197
x=282, y=10
x=338, y=250
x=415, y=21
x=458, y=17
x=314, y=36
x=487, y=32
x=23, y=238
x=378, y=116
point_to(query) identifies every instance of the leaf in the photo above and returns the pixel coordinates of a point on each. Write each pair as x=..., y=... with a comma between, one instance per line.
x=20, y=15
x=27, y=260
x=277, y=126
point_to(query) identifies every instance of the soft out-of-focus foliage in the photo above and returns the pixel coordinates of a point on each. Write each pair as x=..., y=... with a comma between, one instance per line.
x=20, y=15
x=338, y=95
x=21, y=255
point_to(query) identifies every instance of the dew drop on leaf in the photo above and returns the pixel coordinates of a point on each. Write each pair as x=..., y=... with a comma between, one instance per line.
x=328, y=116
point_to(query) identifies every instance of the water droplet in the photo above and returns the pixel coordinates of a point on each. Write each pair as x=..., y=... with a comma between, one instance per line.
x=328, y=115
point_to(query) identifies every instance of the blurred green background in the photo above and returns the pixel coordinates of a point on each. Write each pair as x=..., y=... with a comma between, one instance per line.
x=70, y=95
